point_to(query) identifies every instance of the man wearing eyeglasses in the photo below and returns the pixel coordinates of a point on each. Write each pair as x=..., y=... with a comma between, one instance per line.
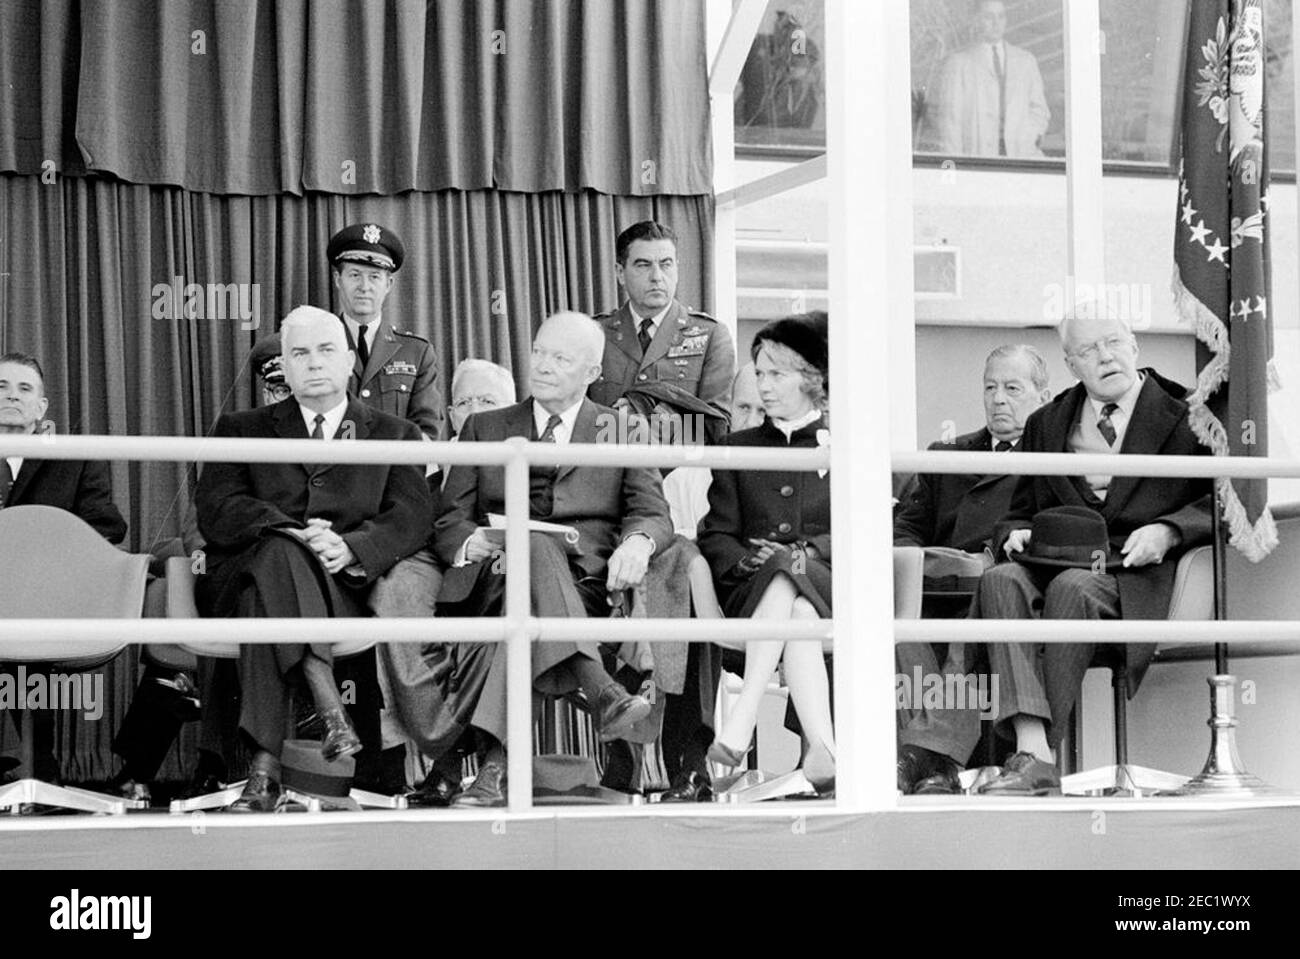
x=1114, y=408
x=476, y=387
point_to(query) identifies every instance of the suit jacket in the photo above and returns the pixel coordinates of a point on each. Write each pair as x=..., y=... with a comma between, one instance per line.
x=782, y=506
x=955, y=509
x=1158, y=425
x=401, y=378
x=383, y=512
x=82, y=487
x=605, y=504
x=690, y=349
x=966, y=114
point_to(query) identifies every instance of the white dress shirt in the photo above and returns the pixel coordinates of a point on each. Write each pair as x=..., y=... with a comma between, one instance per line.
x=564, y=432
x=333, y=417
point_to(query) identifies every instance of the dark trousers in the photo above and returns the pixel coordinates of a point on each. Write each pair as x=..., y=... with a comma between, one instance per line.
x=1042, y=679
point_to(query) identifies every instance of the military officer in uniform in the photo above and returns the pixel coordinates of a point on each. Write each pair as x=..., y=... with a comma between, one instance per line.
x=652, y=338
x=395, y=370
x=654, y=343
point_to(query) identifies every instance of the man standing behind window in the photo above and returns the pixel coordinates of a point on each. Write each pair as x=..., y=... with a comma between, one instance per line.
x=990, y=95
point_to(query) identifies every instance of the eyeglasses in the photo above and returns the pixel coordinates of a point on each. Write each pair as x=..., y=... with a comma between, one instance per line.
x=466, y=402
x=277, y=391
x=1090, y=351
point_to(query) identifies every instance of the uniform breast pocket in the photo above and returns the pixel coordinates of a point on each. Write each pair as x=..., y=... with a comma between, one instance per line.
x=680, y=369
x=396, y=390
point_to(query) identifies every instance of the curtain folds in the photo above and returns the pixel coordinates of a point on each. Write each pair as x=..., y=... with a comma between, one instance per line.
x=262, y=97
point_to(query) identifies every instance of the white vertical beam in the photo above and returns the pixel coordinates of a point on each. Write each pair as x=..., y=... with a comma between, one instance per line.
x=1084, y=220
x=869, y=154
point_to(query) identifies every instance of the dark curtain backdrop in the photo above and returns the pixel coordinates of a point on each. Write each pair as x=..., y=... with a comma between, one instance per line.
x=84, y=257
x=360, y=96
x=224, y=141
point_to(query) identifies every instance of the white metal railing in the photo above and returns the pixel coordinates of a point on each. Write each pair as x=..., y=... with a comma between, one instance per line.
x=517, y=628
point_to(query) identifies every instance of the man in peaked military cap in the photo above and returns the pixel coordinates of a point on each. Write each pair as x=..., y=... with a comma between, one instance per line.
x=654, y=343
x=395, y=370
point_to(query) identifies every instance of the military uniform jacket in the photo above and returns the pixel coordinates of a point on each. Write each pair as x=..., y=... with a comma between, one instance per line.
x=401, y=378
x=690, y=349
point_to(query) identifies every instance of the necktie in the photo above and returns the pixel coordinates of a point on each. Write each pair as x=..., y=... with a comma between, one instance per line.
x=645, y=336
x=1104, y=426
x=319, y=432
x=541, y=492
x=1001, y=71
x=363, y=350
x=6, y=481
x=1002, y=446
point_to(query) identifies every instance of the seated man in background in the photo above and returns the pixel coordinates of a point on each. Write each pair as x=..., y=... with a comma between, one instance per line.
x=413, y=676
x=1147, y=522
x=299, y=541
x=621, y=518
x=82, y=487
x=476, y=387
x=956, y=513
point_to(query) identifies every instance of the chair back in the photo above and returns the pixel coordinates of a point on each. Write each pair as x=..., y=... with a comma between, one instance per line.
x=909, y=568
x=56, y=566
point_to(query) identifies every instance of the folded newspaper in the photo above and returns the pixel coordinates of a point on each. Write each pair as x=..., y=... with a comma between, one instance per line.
x=496, y=532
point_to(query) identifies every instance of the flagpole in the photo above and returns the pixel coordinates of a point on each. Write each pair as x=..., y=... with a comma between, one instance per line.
x=1223, y=775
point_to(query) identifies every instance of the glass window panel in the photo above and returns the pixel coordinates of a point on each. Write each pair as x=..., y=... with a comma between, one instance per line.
x=988, y=78
x=781, y=96
x=1141, y=70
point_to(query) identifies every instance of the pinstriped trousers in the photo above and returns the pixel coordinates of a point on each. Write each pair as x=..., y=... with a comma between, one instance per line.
x=1042, y=679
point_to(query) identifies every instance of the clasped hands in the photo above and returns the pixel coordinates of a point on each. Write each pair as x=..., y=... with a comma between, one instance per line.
x=1145, y=546
x=330, y=548
x=764, y=549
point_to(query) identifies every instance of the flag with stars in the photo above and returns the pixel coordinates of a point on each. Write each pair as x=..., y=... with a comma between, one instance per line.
x=1221, y=253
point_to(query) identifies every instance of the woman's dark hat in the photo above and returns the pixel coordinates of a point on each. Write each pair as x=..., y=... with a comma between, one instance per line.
x=806, y=335
x=1069, y=537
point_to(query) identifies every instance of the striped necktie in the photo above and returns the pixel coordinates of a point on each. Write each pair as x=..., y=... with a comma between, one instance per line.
x=319, y=432
x=1104, y=426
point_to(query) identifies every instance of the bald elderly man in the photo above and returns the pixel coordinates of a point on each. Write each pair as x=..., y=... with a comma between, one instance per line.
x=622, y=520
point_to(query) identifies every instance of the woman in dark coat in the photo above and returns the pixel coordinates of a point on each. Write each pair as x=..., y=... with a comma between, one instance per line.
x=767, y=537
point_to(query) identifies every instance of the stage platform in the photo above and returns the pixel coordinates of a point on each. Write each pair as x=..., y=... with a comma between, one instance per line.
x=923, y=833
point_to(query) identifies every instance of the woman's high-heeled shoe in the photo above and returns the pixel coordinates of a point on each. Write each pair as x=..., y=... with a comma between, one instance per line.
x=819, y=769
x=719, y=752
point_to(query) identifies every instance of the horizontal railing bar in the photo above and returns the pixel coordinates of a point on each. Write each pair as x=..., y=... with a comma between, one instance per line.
x=1080, y=464
x=1093, y=631
x=239, y=450
x=1202, y=652
x=255, y=630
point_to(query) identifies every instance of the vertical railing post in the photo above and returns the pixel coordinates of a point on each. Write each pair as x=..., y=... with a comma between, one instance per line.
x=519, y=680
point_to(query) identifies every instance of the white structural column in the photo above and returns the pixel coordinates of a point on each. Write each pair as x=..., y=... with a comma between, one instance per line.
x=730, y=37
x=1083, y=171
x=869, y=153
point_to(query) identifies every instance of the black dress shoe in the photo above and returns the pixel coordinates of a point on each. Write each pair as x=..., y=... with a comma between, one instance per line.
x=1025, y=775
x=438, y=792
x=340, y=738
x=487, y=791
x=617, y=711
x=261, y=794
x=943, y=781
x=918, y=766
x=696, y=788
